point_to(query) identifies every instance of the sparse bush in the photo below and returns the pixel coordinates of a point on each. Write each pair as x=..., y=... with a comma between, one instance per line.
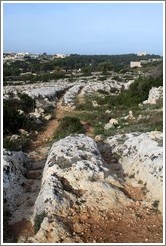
x=38, y=220
x=18, y=145
x=27, y=104
x=67, y=126
x=155, y=204
x=12, y=120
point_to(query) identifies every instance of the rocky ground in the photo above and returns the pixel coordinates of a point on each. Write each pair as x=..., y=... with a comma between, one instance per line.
x=83, y=189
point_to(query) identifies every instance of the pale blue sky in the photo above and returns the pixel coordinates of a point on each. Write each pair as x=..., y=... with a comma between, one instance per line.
x=83, y=28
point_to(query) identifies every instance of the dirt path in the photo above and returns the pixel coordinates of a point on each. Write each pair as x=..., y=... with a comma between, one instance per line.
x=130, y=224
x=44, y=138
x=21, y=222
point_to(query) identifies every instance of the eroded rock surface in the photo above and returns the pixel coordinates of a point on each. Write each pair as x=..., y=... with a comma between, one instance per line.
x=75, y=170
x=14, y=168
x=141, y=156
x=75, y=175
x=155, y=95
x=85, y=187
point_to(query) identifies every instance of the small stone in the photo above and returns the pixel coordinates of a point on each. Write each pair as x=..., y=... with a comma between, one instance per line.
x=78, y=228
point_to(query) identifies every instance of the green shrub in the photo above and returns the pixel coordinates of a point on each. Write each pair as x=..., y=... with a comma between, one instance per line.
x=12, y=120
x=38, y=220
x=27, y=104
x=155, y=204
x=67, y=126
x=18, y=145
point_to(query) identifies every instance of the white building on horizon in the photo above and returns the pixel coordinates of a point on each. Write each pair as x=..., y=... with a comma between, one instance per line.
x=135, y=64
x=60, y=55
x=141, y=53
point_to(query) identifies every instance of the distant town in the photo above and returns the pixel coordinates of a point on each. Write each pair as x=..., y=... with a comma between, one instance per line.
x=21, y=56
x=82, y=139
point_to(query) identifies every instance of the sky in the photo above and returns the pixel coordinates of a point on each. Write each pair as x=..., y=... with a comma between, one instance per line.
x=83, y=28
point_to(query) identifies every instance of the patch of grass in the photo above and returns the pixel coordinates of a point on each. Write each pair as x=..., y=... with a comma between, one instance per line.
x=97, y=117
x=17, y=145
x=38, y=220
x=7, y=233
x=155, y=204
x=12, y=120
x=67, y=126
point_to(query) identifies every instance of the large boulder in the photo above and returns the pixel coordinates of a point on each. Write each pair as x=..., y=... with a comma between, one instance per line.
x=70, y=95
x=141, y=156
x=14, y=168
x=74, y=174
x=103, y=86
x=155, y=95
x=74, y=166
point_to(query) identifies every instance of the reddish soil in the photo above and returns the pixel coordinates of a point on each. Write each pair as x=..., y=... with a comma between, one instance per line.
x=131, y=224
x=44, y=138
x=21, y=228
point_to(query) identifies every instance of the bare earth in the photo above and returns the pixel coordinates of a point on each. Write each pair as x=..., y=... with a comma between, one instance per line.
x=131, y=224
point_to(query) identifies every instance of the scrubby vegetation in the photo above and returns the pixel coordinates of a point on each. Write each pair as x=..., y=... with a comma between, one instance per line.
x=119, y=107
x=46, y=67
x=119, y=104
x=38, y=220
x=17, y=144
x=67, y=126
x=12, y=119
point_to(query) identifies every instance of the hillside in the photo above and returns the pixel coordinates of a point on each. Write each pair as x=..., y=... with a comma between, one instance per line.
x=83, y=152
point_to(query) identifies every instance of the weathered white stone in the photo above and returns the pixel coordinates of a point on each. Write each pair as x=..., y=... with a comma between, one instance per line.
x=74, y=171
x=155, y=94
x=143, y=117
x=14, y=137
x=47, y=117
x=69, y=97
x=35, y=115
x=97, y=86
x=20, y=111
x=78, y=160
x=111, y=124
x=129, y=117
x=142, y=155
x=13, y=177
x=23, y=132
x=108, y=111
x=95, y=104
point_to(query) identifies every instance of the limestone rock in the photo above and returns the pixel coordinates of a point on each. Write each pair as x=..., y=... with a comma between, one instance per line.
x=69, y=97
x=155, y=94
x=48, y=117
x=111, y=124
x=141, y=155
x=14, y=167
x=129, y=117
x=95, y=104
x=23, y=132
x=75, y=173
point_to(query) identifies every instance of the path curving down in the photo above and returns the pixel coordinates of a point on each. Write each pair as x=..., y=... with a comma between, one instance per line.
x=21, y=222
x=142, y=223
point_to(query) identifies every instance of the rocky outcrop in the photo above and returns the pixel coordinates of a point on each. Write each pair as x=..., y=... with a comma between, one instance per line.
x=74, y=174
x=70, y=95
x=113, y=123
x=14, y=168
x=83, y=180
x=155, y=95
x=108, y=86
x=102, y=86
x=46, y=92
x=141, y=156
x=74, y=169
